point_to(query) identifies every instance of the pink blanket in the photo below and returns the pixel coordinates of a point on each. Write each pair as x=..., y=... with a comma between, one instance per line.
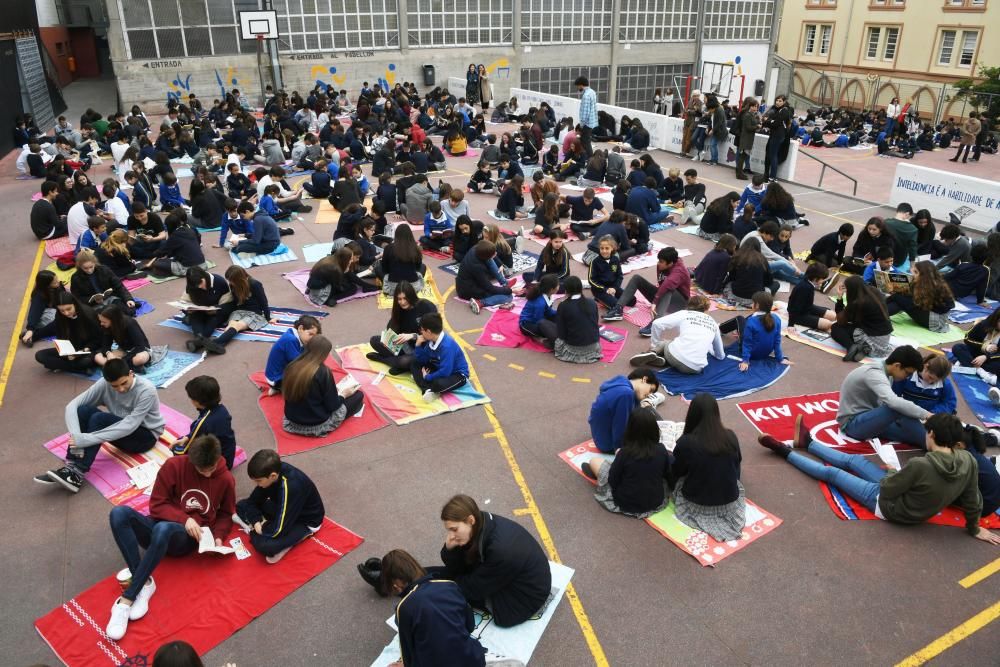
x=502, y=330
x=300, y=277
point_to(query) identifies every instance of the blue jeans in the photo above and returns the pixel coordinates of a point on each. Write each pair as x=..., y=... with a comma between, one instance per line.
x=713, y=147
x=851, y=473
x=159, y=538
x=784, y=270
x=885, y=423
x=91, y=420
x=773, y=148
x=495, y=265
x=496, y=299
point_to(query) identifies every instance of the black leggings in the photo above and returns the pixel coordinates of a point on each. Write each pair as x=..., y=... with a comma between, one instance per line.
x=843, y=334
x=904, y=303
x=439, y=385
x=51, y=360
x=545, y=329
x=202, y=324
x=401, y=361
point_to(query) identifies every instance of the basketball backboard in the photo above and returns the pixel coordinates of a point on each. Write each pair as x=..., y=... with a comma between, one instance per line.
x=259, y=23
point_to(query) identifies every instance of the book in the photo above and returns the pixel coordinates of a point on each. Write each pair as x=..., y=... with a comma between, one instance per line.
x=144, y=475
x=892, y=283
x=66, y=348
x=815, y=334
x=387, y=339
x=887, y=453
x=100, y=296
x=186, y=305
x=347, y=383
x=610, y=336
x=206, y=543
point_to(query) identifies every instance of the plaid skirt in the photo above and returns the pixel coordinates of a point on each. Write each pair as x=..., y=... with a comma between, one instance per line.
x=722, y=522
x=254, y=321
x=737, y=301
x=607, y=501
x=317, y=430
x=876, y=346
x=578, y=354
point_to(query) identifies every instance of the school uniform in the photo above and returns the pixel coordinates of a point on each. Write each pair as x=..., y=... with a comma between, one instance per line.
x=283, y=352
x=972, y=346
x=801, y=309
x=709, y=479
x=968, y=278
x=170, y=196
x=395, y=271
x=757, y=342
x=605, y=274
x=711, y=271
x=45, y=220
x=133, y=342
x=345, y=192
x=713, y=225
x=436, y=231
x=581, y=211
x=269, y=207
x=672, y=190
x=559, y=266
x=290, y=508
x=829, y=250
x=85, y=286
x=265, y=239
x=435, y=624
x=213, y=421
x=464, y=243
x=239, y=186
x=346, y=224
x=90, y=241
x=387, y=195
x=322, y=409
x=482, y=181
x=510, y=202
x=615, y=230
x=610, y=411
x=537, y=319
x=934, y=397
x=449, y=369
x=83, y=331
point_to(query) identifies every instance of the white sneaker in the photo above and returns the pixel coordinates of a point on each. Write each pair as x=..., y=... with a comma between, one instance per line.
x=994, y=395
x=988, y=378
x=654, y=399
x=141, y=604
x=519, y=244
x=431, y=396
x=119, y=620
x=241, y=523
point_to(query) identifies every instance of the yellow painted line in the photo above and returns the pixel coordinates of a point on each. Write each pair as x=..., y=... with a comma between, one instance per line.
x=516, y=367
x=487, y=436
x=980, y=574
x=490, y=357
x=949, y=639
x=471, y=331
x=584, y=380
x=522, y=511
x=546, y=375
x=593, y=643
x=22, y=313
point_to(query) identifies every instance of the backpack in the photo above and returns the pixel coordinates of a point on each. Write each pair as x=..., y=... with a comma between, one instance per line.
x=737, y=126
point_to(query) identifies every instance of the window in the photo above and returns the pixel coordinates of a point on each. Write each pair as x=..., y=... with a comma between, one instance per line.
x=565, y=21
x=891, y=41
x=826, y=34
x=559, y=80
x=887, y=4
x=821, y=4
x=657, y=20
x=184, y=28
x=881, y=43
x=947, y=47
x=959, y=5
x=444, y=23
x=735, y=20
x=314, y=25
x=637, y=83
x=874, y=35
x=968, y=48
x=809, y=46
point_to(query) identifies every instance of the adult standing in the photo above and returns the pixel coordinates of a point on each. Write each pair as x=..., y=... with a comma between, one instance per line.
x=588, y=113
x=485, y=91
x=777, y=121
x=970, y=130
x=691, y=116
x=891, y=113
x=472, y=84
x=749, y=123
x=720, y=130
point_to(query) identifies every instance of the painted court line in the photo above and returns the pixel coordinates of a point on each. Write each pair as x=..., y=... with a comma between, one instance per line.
x=980, y=574
x=22, y=313
x=593, y=643
x=949, y=639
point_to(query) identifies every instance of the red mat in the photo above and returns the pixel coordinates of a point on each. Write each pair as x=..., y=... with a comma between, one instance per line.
x=848, y=509
x=776, y=417
x=273, y=408
x=200, y=599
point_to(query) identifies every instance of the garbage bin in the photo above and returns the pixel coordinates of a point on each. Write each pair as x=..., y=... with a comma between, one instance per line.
x=428, y=75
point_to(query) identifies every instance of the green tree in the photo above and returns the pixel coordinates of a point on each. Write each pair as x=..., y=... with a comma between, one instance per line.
x=983, y=93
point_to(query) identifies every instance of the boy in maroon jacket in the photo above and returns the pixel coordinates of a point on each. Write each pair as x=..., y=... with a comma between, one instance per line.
x=190, y=492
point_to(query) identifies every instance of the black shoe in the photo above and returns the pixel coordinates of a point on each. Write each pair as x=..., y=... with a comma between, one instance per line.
x=213, y=346
x=396, y=371
x=305, y=209
x=195, y=344
x=954, y=159
x=67, y=477
x=588, y=472
x=374, y=356
x=285, y=231
x=851, y=352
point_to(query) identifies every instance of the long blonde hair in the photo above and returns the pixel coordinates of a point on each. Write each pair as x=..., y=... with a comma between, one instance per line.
x=492, y=234
x=117, y=244
x=300, y=372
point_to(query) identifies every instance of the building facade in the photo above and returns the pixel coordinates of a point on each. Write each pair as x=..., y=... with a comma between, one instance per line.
x=628, y=48
x=863, y=53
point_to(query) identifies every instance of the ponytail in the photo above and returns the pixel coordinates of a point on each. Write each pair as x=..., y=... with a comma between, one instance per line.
x=763, y=302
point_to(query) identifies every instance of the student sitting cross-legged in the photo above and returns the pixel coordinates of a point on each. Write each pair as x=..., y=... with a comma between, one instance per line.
x=76, y=323
x=801, y=309
x=213, y=418
x=191, y=493
x=538, y=317
x=404, y=321
x=287, y=348
x=313, y=404
x=439, y=365
x=131, y=421
x=283, y=509
x=929, y=387
x=760, y=334
x=698, y=336
x=924, y=486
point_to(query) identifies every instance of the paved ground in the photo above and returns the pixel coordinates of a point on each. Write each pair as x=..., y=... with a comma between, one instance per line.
x=815, y=591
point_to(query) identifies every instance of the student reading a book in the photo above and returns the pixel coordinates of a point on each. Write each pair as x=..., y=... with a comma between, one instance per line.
x=335, y=277
x=248, y=310
x=802, y=311
x=96, y=285
x=192, y=494
x=213, y=418
x=905, y=234
x=634, y=482
x=314, y=406
x=615, y=401
x=401, y=261
x=131, y=421
x=671, y=291
x=438, y=230
x=479, y=280
x=749, y=273
x=208, y=292
x=713, y=268
x=946, y=475
x=439, y=365
x=980, y=349
x=434, y=619
x=180, y=251
x=123, y=339
x=578, y=333
x=708, y=494
x=287, y=348
x=41, y=305
x=394, y=346
x=863, y=327
x=930, y=299
x=76, y=324
x=884, y=258
x=697, y=337
x=283, y=509
x=538, y=317
x=829, y=249
x=929, y=387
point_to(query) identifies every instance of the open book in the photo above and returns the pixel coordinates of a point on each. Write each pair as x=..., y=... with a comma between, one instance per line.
x=610, y=336
x=207, y=543
x=347, y=384
x=187, y=305
x=144, y=475
x=892, y=283
x=887, y=453
x=66, y=348
x=387, y=337
x=100, y=296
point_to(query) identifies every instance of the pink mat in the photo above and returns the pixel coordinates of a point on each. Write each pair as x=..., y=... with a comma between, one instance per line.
x=132, y=284
x=108, y=474
x=55, y=248
x=299, y=278
x=502, y=330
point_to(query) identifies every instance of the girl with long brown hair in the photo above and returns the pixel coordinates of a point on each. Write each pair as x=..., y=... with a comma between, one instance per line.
x=862, y=325
x=401, y=261
x=930, y=300
x=248, y=310
x=748, y=274
x=313, y=404
x=404, y=322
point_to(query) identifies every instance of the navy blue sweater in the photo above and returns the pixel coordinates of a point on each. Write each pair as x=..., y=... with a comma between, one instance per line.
x=606, y=273
x=435, y=625
x=218, y=422
x=292, y=500
x=615, y=230
x=711, y=271
x=445, y=359
x=642, y=202
x=968, y=278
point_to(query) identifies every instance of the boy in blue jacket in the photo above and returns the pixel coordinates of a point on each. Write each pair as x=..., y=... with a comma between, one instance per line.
x=233, y=222
x=266, y=235
x=643, y=202
x=884, y=259
x=269, y=205
x=284, y=508
x=319, y=185
x=170, y=192
x=438, y=230
x=213, y=418
x=929, y=387
x=439, y=365
x=615, y=401
x=289, y=346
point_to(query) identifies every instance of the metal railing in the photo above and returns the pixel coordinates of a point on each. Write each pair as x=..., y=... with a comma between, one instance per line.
x=827, y=165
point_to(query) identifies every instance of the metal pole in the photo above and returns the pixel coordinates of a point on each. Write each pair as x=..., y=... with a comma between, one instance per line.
x=260, y=69
x=272, y=47
x=616, y=6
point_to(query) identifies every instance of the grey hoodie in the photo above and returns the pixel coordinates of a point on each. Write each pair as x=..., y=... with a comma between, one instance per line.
x=139, y=406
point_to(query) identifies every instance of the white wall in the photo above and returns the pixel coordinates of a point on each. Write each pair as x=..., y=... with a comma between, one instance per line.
x=752, y=63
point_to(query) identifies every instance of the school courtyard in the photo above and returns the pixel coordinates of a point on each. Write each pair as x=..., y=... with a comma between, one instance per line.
x=814, y=590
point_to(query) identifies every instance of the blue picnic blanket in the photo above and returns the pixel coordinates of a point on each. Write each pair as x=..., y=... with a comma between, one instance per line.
x=973, y=312
x=285, y=316
x=722, y=378
x=164, y=372
x=973, y=390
